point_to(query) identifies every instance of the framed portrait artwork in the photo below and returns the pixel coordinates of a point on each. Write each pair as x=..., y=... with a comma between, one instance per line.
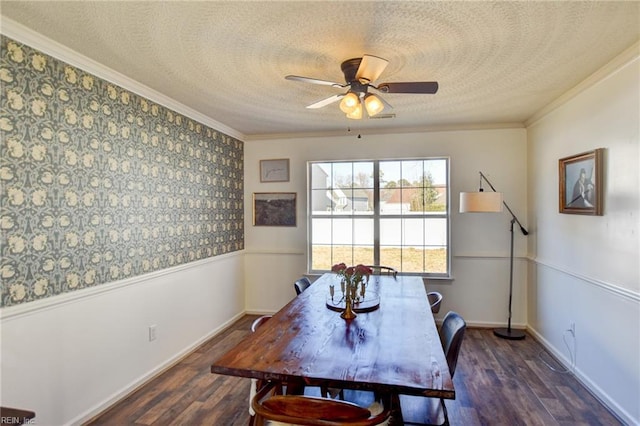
x=581, y=183
x=274, y=170
x=274, y=209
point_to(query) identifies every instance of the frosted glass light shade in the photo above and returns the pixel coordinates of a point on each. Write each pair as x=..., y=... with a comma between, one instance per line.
x=373, y=104
x=349, y=103
x=356, y=114
x=480, y=202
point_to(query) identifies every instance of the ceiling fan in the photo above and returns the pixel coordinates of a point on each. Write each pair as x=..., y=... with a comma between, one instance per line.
x=359, y=74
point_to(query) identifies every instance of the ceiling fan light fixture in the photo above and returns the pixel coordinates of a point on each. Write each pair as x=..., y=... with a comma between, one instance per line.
x=349, y=103
x=356, y=114
x=373, y=104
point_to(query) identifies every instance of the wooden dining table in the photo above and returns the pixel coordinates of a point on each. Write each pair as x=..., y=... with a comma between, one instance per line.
x=394, y=348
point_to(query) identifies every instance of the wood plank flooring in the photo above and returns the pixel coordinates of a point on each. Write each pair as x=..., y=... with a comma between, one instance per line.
x=498, y=382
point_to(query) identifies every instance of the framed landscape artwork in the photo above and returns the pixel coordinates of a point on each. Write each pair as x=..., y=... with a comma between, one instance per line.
x=581, y=183
x=274, y=170
x=274, y=209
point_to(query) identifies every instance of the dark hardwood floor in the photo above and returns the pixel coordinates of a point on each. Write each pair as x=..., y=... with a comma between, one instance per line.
x=498, y=382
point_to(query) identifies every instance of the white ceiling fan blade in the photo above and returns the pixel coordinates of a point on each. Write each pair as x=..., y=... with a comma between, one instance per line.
x=314, y=81
x=325, y=102
x=370, y=68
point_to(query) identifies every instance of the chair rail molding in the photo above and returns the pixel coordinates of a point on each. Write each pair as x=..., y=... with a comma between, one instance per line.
x=13, y=312
x=613, y=288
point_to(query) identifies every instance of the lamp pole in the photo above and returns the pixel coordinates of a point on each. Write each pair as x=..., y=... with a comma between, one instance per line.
x=509, y=333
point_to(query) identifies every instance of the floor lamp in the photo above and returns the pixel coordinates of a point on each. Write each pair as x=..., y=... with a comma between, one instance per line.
x=492, y=202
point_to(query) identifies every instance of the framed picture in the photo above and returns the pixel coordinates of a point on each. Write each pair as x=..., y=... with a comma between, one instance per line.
x=581, y=183
x=274, y=170
x=274, y=209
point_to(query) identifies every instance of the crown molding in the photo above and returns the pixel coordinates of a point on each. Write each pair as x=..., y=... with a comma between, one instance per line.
x=624, y=59
x=52, y=48
x=387, y=131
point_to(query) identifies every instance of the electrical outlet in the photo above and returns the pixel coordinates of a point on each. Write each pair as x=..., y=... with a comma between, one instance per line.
x=152, y=333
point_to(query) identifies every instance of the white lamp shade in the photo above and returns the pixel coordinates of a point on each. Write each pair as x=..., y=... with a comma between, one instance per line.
x=480, y=202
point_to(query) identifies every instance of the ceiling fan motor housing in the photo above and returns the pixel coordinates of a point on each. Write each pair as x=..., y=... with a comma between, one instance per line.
x=350, y=69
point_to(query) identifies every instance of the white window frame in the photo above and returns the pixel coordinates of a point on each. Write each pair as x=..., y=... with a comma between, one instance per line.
x=376, y=216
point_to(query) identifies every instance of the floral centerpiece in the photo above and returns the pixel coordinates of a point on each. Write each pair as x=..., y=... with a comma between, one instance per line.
x=352, y=277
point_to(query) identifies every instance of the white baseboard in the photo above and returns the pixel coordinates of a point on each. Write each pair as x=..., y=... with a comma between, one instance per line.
x=594, y=389
x=103, y=406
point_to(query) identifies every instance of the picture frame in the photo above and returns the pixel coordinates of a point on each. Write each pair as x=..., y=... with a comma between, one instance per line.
x=581, y=183
x=274, y=209
x=276, y=170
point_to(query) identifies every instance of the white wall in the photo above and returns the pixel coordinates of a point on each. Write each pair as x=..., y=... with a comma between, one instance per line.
x=276, y=257
x=68, y=357
x=586, y=268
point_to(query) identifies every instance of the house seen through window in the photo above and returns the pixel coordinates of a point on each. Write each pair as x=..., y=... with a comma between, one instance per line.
x=385, y=212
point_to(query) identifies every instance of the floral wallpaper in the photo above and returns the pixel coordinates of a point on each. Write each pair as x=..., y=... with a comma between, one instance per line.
x=99, y=184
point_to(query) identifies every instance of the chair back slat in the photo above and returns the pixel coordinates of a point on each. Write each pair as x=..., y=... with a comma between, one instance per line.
x=435, y=300
x=383, y=270
x=451, y=334
x=270, y=404
x=301, y=285
x=259, y=321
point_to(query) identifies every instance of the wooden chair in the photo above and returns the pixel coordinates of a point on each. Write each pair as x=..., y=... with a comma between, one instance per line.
x=417, y=410
x=435, y=299
x=255, y=383
x=272, y=407
x=383, y=270
x=259, y=321
x=301, y=285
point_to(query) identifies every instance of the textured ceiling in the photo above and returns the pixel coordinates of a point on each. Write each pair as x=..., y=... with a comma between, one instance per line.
x=496, y=62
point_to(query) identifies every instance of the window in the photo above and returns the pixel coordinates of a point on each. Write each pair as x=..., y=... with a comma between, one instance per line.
x=386, y=212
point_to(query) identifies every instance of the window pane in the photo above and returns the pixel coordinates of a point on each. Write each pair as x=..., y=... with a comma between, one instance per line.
x=390, y=201
x=437, y=168
x=342, y=232
x=321, y=201
x=435, y=232
x=391, y=256
x=390, y=232
x=436, y=259
x=362, y=201
x=363, y=175
x=363, y=254
x=343, y=200
x=342, y=254
x=320, y=175
x=321, y=257
x=413, y=200
x=342, y=175
x=389, y=174
x=413, y=232
x=321, y=231
x=411, y=173
x=363, y=232
x=412, y=259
